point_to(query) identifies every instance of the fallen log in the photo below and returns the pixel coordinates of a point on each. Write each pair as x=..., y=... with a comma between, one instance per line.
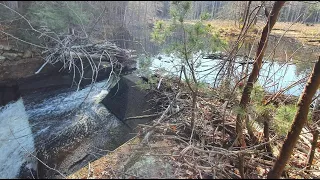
x=223, y=56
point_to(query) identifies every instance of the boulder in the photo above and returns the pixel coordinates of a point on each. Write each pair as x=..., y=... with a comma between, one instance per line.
x=150, y=167
x=127, y=99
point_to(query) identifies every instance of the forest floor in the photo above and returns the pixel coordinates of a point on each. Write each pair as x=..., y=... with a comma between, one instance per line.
x=170, y=152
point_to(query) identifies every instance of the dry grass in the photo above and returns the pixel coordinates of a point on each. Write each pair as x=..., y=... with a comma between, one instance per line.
x=309, y=35
x=299, y=28
x=306, y=34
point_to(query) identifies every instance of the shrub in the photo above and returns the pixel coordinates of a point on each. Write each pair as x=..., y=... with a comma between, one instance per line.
x=283, y=118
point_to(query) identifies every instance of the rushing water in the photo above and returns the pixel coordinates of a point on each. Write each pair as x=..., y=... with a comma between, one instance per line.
x=16, y=139
x=37, y=119
x=55, y=110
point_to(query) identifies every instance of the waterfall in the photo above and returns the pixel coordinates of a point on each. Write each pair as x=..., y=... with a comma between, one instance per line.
x=16, y=141
x=55, y=120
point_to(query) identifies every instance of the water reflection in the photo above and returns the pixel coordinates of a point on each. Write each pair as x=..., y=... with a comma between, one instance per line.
x=287, y=59
x=273, y=76
x=281, y=49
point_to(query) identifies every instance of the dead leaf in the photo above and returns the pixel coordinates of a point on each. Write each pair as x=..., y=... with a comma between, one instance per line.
x=260, y=171
x=236, y=171
x=174, y=128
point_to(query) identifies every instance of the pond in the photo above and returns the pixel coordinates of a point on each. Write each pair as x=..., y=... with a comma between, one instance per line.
x=287, y=60
x=273, y=76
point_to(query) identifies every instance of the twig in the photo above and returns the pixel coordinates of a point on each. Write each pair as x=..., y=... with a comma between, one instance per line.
x=151, y=131
x=141, y=117
x=88, y=171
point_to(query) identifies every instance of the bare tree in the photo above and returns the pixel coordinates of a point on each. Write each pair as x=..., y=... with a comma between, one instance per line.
x=299, y=120
x=315, y=132
x=253, y=77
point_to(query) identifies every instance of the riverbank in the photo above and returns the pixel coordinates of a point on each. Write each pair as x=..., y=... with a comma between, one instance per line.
x=165, y=149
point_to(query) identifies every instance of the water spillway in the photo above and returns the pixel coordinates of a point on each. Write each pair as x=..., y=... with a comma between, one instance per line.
x=63, y=128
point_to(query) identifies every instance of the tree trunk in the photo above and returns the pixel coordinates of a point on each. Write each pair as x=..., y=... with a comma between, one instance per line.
x=145, y=24
x=288, y=13
x=315, y=133
x=23, y=6
x=266, y=134
x=11, y=4
x=253, y=77
x=212, y=8
x=194, y=106
x=298, y=123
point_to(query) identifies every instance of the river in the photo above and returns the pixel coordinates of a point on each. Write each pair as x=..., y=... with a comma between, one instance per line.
x=66, y=128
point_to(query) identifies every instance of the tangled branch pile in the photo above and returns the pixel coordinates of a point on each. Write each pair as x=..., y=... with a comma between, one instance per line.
x=77, y=58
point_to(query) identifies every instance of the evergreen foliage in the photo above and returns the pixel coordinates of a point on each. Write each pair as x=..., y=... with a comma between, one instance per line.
x=188, y=42
x=58, y=16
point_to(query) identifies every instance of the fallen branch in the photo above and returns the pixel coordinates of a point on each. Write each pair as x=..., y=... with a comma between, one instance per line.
x=141, y=117
x=161, y=119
